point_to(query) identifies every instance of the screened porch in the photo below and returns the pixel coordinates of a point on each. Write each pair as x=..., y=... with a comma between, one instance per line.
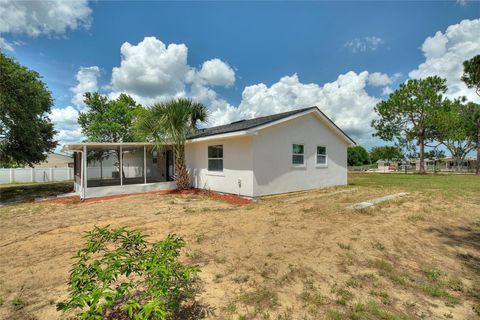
x=113, y=168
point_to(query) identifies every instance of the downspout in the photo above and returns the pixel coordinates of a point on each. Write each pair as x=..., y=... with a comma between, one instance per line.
x=144, y=164
x=82, y=172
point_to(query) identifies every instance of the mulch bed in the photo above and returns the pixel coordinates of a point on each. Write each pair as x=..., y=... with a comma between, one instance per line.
x=229, y=198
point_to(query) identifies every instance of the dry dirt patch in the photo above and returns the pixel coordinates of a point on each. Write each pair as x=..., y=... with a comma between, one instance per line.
x=300, y=256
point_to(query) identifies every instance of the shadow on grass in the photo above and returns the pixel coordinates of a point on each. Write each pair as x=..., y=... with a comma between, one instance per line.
x=466, y=240
x=28, y=192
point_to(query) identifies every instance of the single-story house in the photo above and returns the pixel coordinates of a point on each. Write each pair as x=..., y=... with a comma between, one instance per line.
x=56, y=160
x=291, y=151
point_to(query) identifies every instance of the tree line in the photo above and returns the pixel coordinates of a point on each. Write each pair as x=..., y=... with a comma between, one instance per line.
x=419, y=115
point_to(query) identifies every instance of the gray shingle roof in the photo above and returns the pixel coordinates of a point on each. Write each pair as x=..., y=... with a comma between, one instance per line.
x=242, y=125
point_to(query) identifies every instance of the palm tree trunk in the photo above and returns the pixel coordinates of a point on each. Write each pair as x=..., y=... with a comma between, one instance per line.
x=181, y=174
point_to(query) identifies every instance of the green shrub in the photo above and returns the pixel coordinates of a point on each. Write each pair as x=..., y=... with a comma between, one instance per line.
x=118, y=275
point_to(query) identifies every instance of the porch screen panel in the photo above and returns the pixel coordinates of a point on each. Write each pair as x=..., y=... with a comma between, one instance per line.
x=103, y=167
x=132, y=163
x=156, y=165
x=77, y=166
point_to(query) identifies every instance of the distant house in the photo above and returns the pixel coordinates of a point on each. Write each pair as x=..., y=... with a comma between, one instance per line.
x=290, y=151
x=56, y=160
x=448, y=164
x=442, y=164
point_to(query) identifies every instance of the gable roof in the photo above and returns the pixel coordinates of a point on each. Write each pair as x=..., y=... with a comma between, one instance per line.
x=243, y=125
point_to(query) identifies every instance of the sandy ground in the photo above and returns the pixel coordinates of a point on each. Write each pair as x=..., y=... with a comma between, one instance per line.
x=296, y=256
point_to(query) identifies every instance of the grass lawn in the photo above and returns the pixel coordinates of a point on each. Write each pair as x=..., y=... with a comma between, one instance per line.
x=295, y=256
x=29, y=191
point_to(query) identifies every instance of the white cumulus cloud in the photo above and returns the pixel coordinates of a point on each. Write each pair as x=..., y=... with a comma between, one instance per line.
x=64, y=118
x=65, y=121
x=444, y=55
x=34, y=18
x=151, y=69
x=87, y=78
x=344, y=100
x=378, y=79
x=216, y=72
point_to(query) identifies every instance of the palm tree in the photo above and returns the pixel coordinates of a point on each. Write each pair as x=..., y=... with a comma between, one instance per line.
x=170, y=123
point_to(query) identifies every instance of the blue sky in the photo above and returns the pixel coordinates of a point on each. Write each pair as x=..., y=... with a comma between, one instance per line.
x=270, y=56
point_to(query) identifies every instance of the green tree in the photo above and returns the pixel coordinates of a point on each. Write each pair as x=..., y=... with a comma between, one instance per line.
x=472, y=114
x=387, y=153
x=109, y=120
x=170, y=123
x=435, y=154
x=453, y=127
x=406, y=115
x=26, y=133
x=471, y=73
x=471, y=77
x=357, y=156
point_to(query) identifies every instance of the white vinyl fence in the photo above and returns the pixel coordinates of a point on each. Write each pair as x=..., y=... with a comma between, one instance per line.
x=19, y=175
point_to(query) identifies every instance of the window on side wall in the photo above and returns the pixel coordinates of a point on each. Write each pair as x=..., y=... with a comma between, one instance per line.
x=298, y=155
x=215, y=158
x=322, y=155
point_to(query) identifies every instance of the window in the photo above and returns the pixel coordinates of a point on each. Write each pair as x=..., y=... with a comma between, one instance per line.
x=298, y=154
x=154, y=156
x=215, y=158
x=321, y=155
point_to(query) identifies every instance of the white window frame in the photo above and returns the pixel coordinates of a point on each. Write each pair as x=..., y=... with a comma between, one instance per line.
x=297, y=154
x=215, y=172
x=321, y=165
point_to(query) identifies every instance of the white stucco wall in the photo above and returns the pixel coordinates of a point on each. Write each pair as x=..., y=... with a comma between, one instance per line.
x=263, y=162
x=237, y=165
x=272, y=157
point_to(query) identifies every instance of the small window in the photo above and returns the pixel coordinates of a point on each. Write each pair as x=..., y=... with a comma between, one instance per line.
x=321, y=155
x=215, y=158
x=154, y=157
x=298, y=154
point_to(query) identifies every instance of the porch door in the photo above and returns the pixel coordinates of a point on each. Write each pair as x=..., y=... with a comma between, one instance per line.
x=169, y=164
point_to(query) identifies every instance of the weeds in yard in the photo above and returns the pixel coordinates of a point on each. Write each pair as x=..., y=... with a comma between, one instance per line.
x=387, y=270
x=312, y=298
x=19, y=303
x=241, y=278
x=200, y=238
x=344, y=246
x=343, y=296
x=378, y=245
x=358, y=281
x=370, y=310
x=433, y=285
x=196, y=256
x=220, y=259
x=188, y=209
x=230, y=308
x=294, y=272
x=261, y=298
x=416, y=217
x=383, y=295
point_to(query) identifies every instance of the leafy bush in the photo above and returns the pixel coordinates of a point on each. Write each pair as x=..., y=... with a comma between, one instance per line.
x=118, y=275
